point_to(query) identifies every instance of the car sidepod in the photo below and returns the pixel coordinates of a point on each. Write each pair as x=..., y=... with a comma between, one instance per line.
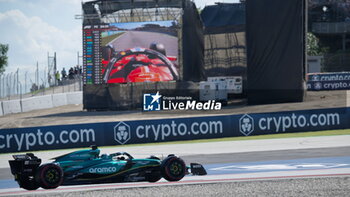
x=118, y=171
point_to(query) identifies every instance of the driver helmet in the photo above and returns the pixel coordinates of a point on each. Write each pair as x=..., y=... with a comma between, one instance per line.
x=108, y=52
x=158, y=47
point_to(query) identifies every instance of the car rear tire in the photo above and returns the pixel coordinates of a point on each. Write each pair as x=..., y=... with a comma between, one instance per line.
x=28, y=183
x=173, y=168
x=49, y=176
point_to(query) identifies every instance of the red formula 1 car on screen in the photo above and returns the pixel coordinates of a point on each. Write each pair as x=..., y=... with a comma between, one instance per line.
x=138, y=65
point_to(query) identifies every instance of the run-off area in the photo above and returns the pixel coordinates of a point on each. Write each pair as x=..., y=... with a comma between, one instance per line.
x=332, y=186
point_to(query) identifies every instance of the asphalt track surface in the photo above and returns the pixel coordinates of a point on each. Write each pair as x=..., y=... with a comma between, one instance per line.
x=132, y=39
x=298, y=172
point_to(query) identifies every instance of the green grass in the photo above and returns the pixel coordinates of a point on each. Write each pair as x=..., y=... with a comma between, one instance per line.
x=107, y=39
x=257, y=137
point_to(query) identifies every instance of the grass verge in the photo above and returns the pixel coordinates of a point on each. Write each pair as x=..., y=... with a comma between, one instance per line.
x=108, y=39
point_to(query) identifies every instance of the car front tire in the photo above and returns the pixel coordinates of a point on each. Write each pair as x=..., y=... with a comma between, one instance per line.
x=173, y=168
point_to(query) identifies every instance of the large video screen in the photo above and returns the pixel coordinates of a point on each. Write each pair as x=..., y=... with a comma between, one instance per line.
x=131, y=52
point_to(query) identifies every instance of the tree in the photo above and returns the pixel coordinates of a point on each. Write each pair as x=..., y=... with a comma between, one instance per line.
x=3, y=57
x=313, y=46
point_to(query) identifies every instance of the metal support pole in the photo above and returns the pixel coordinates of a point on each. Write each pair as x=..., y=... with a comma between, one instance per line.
x=20, y=94
x=14, y=84
x=25, y=81
x=48, y=64
x=43, y=81
x=9, y=86
x=4, y=85
x=1, y=85
x=10, y=82
x=1, y=76
x=37, y=74
x=80, y=83
x=17, y=80
x=54, y=68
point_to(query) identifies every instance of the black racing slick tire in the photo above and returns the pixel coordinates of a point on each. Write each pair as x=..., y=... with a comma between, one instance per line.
x=173, y=168
x=28, y=183
x=49, y=176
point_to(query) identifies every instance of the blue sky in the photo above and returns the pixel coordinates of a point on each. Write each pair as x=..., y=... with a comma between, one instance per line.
x=34, y=27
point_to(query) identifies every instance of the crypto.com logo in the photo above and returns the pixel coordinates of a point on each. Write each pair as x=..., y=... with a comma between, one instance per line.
x=122, y=133
x=246, y=124
x=318, y=86
x=315, y=78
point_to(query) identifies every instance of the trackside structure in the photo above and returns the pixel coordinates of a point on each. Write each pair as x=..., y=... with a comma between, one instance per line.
x=190, y=42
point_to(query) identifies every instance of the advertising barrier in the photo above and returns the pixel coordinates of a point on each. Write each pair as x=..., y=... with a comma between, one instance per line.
x=292, y=121
x=176, y=129
x=113, y=133
x=328, y=81
x=328, y=85
x=341, y=76
x=51, y=137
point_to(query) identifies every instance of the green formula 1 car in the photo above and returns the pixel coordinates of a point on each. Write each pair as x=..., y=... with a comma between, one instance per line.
x=88, y=166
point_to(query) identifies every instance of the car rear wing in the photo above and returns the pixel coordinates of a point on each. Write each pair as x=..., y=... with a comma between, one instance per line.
x=24, y=164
